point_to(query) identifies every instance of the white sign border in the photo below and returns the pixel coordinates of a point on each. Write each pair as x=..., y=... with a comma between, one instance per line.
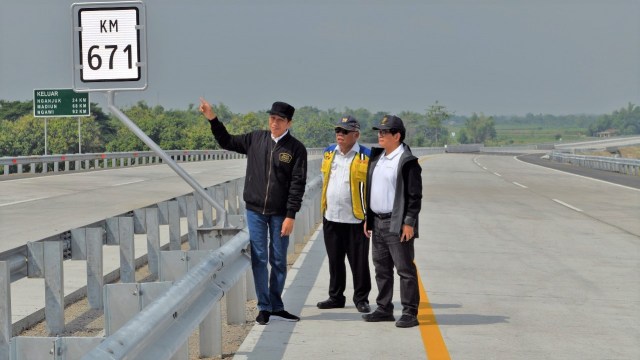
x=107, y=85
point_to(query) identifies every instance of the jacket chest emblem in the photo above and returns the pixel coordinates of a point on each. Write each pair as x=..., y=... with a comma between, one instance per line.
x=285, y=157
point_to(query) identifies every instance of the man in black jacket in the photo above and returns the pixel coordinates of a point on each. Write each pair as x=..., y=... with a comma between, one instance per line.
x=274, y=185
x=394, y=198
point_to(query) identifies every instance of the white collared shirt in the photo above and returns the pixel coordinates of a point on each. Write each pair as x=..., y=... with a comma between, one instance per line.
x=279, y=137
x=339, y=205
x=383, y=181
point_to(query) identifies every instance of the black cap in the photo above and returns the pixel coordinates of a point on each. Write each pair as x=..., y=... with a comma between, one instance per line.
x=349, y=123
x=282, y=109
x=390, y=122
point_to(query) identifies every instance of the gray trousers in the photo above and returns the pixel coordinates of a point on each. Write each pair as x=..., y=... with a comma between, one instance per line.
x=387, y=251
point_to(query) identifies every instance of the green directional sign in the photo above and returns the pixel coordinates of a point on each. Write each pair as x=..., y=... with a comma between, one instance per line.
x=59, y=103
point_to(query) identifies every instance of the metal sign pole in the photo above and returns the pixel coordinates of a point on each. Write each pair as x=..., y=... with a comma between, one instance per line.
x=45, y=136
x=79, y=137
x=222, y=219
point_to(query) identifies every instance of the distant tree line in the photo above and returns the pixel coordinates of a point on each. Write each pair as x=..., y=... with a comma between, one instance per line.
x=22, y=134
x=625, y=121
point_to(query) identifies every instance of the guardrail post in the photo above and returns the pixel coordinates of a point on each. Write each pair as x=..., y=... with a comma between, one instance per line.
x=297, y=236
x=192, y=222
x=305, y=219
x=232, y=197
x=163, y=213
x=240, y=191
x=139, y=221
x=236, y=302
x=316, y=206
x=174, y=225
x=175, y=264
x=111, y=229
x=153, y=240
x=78, y=244
x=219, y=196
x=182, y=204
x=95, y=269
x=207, y=211
x=127, y=250
x=35, y=259
x=250, y=286
x=54, y=287
x=5, y=309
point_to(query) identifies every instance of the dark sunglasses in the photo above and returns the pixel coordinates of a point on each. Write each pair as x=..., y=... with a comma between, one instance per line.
x=385, y=132
x=343, y=131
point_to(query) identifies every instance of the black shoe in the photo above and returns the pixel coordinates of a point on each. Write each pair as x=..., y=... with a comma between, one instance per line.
x=263, y=317
x=285, y=315
x=378, y=316
x=330, y=303
x=363, y=307
x=407, y=321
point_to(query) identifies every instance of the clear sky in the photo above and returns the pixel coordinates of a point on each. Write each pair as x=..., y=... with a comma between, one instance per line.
x=498, y=57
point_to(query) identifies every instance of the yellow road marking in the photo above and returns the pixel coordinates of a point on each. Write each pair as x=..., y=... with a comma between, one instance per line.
x=431, y=337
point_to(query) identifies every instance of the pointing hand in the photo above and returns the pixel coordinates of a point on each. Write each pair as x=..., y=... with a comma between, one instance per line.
x=206, y=109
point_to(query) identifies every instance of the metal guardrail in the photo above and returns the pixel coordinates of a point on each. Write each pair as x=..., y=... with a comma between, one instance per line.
x=76, y=162
x=159, y=329
x=619, y=165
x=99, y=161
x=96, y=161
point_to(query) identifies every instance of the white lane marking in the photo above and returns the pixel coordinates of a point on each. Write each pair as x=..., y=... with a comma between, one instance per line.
x=496, y=174
x=567, y=205
x=22, y=201
x=128, y=182
x=485, y=168
x=522, y=186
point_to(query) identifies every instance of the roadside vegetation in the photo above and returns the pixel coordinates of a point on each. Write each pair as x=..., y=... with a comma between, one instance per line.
x=22, y=134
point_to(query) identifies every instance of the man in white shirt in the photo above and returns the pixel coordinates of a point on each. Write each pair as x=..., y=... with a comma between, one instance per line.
x=344, y=171
x=394, y=195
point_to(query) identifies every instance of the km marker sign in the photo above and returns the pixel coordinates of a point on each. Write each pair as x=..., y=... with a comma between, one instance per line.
x=109, y=46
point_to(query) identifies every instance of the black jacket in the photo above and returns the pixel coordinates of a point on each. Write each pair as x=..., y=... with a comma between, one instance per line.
x=408, y=197
x=276, y=172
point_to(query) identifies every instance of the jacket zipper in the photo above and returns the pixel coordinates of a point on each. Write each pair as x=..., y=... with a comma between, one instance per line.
x=266, y=195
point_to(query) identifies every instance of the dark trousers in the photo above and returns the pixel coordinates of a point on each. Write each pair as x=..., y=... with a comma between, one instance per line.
x=348, y=240
x=387, y=251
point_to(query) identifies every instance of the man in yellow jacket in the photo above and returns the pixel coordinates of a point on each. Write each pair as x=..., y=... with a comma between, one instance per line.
x=344, y=175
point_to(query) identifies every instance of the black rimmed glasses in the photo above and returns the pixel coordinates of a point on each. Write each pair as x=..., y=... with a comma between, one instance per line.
x=343, y=131
x=383, y=132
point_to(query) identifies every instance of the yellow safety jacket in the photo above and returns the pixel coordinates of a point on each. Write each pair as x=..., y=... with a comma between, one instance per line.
x=357, y=179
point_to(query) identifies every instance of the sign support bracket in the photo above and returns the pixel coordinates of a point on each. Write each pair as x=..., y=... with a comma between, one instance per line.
x=222, y=220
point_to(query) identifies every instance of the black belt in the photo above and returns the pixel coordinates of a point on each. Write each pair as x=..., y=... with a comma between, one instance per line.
x=383, y=216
